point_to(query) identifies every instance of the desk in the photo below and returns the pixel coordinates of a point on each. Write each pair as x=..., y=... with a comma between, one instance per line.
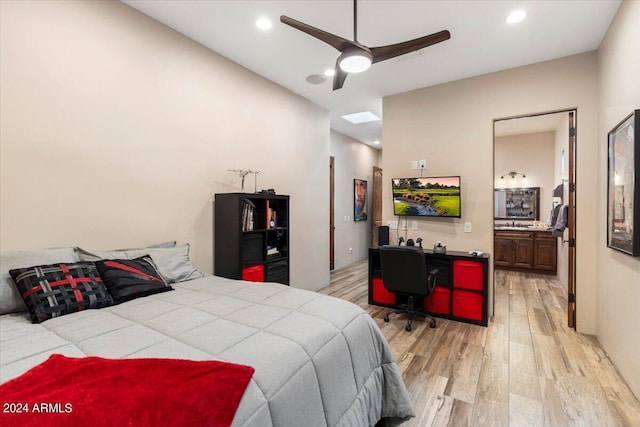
x=461, y=291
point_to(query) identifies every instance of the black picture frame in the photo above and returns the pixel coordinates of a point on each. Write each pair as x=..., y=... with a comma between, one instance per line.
x=359, y=200
x=623, y=185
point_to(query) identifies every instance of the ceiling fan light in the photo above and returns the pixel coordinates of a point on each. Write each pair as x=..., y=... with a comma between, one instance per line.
x=355, y=60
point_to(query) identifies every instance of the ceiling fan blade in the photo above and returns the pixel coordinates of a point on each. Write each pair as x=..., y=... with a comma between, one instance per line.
x=331, y=39
x=383, y=53
x=339, y=77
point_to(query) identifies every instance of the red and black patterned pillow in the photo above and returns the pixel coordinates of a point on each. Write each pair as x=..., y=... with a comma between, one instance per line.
x=58, y=289
x=127, y=279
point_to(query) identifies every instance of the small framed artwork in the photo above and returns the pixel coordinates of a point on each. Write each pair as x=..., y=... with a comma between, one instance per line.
x=623, y=186
x=359, y=200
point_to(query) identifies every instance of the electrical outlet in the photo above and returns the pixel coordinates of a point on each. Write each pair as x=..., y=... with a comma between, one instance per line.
x=423, y=164
x=393, y=225
x=414, y=225
x=467, y=227
x=404, y=226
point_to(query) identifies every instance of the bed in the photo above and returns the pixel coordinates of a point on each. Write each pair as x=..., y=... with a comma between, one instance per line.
x=319, y=360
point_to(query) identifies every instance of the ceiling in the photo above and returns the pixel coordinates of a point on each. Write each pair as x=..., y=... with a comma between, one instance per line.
x=481, y=42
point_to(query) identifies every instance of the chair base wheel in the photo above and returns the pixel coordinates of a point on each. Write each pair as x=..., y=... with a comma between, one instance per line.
x=432, y=324
x=408, y=328
x=386, y=318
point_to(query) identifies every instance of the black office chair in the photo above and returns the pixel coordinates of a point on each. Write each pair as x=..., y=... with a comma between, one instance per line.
x=404, y=273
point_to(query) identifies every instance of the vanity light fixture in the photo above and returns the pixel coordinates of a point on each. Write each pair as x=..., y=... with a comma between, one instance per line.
x=513, y=176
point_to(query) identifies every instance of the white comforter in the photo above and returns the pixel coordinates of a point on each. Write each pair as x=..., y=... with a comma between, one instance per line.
x=319, y=361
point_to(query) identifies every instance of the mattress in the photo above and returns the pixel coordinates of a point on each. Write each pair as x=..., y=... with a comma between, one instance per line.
x=319, y=360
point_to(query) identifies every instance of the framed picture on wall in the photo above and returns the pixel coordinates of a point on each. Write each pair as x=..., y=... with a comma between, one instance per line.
x=623, y=186
x=359, y=200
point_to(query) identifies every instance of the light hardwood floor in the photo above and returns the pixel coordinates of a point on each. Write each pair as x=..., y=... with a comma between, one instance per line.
x=526, y=368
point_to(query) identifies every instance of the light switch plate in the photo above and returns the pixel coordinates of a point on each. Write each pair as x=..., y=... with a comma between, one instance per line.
x=414, y=225
x=467, y=227
x=393, y=225
x=414, y=165
x=423, y=164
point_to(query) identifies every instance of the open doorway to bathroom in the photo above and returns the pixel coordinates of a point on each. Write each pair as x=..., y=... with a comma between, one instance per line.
x=535, y=205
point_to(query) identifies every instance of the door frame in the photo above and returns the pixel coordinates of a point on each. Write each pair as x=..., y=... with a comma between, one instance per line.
x=332, y=208
x=376, y=205
x=571, y=227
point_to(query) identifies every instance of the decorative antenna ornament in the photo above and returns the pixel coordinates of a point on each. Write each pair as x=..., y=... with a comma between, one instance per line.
x=242, y=173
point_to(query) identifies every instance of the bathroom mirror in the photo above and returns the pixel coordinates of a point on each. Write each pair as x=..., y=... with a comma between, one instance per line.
x=517, y=203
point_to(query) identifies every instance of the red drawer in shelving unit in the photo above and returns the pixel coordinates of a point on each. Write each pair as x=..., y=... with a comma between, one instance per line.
x=438, y=301
x=253, y=274
x=467, y=274
x=467, y=305
x=380, y=294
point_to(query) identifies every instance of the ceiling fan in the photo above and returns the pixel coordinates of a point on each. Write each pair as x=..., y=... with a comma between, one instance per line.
x=355, y=57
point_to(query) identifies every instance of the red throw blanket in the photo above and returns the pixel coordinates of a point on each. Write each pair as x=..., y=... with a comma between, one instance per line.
x=92, y=391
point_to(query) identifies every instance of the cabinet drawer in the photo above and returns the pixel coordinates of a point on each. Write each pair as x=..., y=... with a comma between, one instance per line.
x=439, y=301
x=513, y=234
x=380, y=294
x=253, y=274
x=467, y=274
x=467, y=305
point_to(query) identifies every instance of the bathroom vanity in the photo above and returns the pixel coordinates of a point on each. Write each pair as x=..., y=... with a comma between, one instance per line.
x=525, y=249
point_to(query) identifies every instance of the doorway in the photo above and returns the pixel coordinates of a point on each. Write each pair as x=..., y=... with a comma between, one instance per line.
x=538, y=151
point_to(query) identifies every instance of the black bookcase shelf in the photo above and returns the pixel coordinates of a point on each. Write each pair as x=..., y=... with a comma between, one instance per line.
x=251, y=239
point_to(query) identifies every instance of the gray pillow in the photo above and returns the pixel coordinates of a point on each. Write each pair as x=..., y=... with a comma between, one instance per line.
x=10, y=299
x=174, y=264
x=86, y=255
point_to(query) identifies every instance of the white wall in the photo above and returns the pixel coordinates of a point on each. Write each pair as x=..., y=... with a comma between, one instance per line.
x=451, y=125
x=561, y=143
x=618, y=290
x=116, y=131
x=530, y=154
x=352, y=160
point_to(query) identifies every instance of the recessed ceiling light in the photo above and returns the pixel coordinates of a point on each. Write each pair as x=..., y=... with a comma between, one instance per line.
x=329, y=72
x=264, y=24
x=376, y=142
x=362, y=117
x=316, y=79
x=515, y=17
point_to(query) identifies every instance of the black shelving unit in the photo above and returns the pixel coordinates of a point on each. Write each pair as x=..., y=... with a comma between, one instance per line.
x=251, y=239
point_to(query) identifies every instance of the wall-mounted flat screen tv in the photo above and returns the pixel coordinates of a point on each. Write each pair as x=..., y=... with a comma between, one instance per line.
x=429, y=197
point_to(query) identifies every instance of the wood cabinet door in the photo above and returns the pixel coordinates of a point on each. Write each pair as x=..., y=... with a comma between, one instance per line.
x=502, y=252
x=523, y=253
x=544, y=254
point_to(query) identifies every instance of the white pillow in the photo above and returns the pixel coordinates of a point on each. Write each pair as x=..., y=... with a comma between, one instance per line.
x=10, y=299
x=174, y=264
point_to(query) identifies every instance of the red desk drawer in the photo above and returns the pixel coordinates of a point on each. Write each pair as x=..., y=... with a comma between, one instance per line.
x=380, y=294
x=253, y=274
x=467, y=305
x=438, y=301
x=467, y=274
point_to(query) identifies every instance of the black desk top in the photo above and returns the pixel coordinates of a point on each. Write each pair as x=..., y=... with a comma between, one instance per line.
x=451, y=253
